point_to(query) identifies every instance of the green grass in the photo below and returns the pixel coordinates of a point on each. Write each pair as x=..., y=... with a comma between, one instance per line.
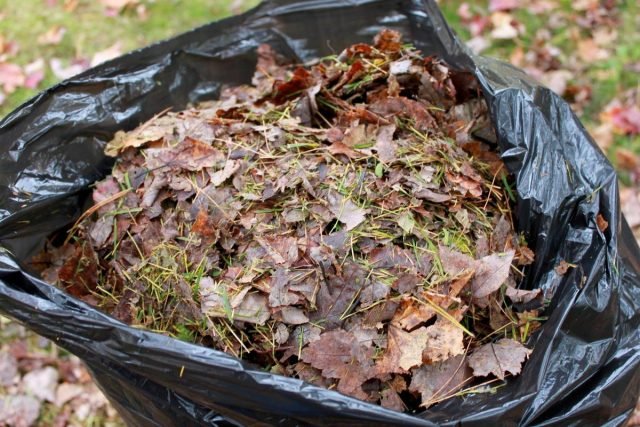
x=89, y=30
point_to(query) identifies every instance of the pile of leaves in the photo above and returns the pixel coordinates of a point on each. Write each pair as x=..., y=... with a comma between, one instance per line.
x=347, y=222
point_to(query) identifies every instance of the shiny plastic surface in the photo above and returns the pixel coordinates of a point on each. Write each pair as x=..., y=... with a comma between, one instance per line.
x=584, y=368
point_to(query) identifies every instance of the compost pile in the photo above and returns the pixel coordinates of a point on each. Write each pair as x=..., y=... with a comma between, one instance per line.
x=346, y=222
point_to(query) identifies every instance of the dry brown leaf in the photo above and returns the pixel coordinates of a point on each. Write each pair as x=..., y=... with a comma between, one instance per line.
x=8, y=369
x=346, y=211
x=19, y=410
x=440, y=380
x=562, y=267
x=339, y=355
x=154, y=130
x=384, y=143
x=404, y=350
x=491, y=273
x=391, y=400
x=522, y=295
x=412, y=313
x=444, y=340
x=500, y=358
x=602, y=223
x=293, y=316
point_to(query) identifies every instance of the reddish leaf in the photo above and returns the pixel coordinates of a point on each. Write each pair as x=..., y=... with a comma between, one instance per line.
x=339, y=355
x=11, y=77
x=602, y=223
x=300, y=81
x=394, y=106
x=388, y=41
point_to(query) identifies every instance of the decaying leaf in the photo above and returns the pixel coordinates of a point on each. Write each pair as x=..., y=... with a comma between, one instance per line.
x=491, y=273
x=339, y=355
x=338, y=222
x=440, y=380
x=404, y=350
x=444, y=340
x=346, y=211
x=499, y=358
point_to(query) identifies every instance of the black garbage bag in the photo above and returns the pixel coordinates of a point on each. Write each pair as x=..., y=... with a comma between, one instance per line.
x=584, y=367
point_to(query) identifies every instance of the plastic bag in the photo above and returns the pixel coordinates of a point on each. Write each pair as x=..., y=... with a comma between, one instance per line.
x=584, y=368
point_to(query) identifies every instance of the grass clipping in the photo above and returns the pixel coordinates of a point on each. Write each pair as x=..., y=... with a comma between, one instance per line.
x=346, y=222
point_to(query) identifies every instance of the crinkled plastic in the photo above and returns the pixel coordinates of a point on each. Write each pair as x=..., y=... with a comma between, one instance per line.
x=584, y=367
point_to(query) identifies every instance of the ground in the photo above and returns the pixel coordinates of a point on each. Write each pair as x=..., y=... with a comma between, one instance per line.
x=588, y=51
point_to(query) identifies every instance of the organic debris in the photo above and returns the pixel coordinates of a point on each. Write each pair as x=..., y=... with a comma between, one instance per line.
x=347, y=223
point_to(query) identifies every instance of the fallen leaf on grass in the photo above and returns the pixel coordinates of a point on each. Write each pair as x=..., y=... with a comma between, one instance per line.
x=107, y=54
x=53, y=35
x=11, y=77
x=500, y=358
x=66, y=392
x=42, y=383
x=63, y=72
x=34, y=73
x=497, y=5
x=8, y=369
x=19, y=410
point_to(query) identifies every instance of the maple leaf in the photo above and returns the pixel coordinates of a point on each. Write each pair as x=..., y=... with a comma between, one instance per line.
x=279, y=294
x=339, y=355
x=404, y=350
x=500, y=358
x=336, y=294
x=439, y=380
x=107, y=54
